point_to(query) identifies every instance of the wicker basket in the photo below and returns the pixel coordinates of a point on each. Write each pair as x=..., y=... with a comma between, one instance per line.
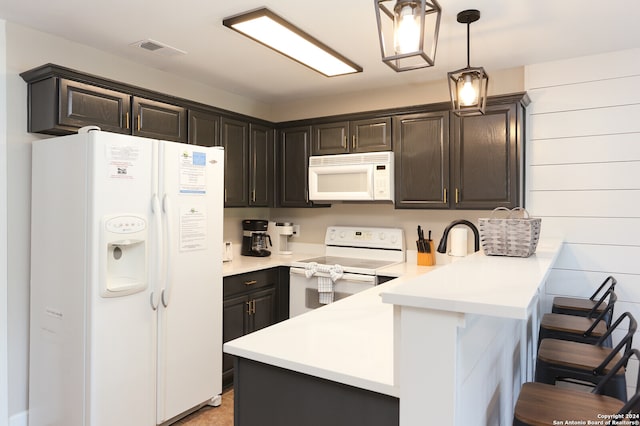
x=510, y=236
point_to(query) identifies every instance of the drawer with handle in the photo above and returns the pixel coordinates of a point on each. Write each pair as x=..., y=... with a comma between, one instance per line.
x=249, y=281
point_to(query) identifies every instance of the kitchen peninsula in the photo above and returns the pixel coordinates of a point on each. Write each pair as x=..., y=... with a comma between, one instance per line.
x=450, y=346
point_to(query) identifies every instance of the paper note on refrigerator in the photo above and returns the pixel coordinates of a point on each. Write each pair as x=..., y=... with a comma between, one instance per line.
x=123, y=160
x=193, y=228
x=193, y=172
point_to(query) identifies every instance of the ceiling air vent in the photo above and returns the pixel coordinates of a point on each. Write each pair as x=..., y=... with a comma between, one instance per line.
x=158, y=48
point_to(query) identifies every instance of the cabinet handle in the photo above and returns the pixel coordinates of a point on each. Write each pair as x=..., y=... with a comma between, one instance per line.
x=457, y=195
x=249, y=307
x=126, y=120
x=253, y=306
x=353, y=142
x=139, y=122
x=253, y=195
x=251, y=282
x=444, y=190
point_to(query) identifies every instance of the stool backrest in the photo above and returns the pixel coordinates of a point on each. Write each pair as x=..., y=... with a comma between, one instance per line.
x=625, y=342
x=611, y=286
x=602, y=298
x=633, y=404
x=605, y=315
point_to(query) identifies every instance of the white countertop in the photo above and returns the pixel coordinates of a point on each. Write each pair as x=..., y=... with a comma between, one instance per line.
x=242, y=264
x=478, y=284
x=351, y=341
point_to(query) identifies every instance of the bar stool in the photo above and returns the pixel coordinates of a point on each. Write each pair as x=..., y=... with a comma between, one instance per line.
x=585, y=363
x=578, y=329
x=584, y=307
x=541, y=404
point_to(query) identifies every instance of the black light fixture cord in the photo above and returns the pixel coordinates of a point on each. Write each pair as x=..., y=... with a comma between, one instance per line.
x=468, y=48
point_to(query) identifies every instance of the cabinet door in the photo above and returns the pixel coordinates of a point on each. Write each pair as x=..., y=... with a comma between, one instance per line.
x=204, y=128
x=371, y=135
x=159, y=120
x=264, y=309
x=331, y=138
x=86, y=105
x=293, y=152
x=485, y=159
x=235, y=140
x=261, y=167
x=421, y=160
x=235, y=323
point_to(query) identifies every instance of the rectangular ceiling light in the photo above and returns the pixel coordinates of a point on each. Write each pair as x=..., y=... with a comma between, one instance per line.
x=269, y=29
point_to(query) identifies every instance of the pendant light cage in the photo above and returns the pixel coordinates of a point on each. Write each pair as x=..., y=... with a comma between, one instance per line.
x=408, y=32
x=468, y=86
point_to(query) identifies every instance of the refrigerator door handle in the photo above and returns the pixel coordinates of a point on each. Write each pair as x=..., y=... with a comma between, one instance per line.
x=166, y=292
x=165, y=303
x=158, y=252
x=154, y=305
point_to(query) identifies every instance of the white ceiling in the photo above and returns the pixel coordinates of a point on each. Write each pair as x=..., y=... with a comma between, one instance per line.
x=510, y=33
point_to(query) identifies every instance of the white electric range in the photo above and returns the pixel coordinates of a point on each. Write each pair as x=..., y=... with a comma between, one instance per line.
x=353, y=257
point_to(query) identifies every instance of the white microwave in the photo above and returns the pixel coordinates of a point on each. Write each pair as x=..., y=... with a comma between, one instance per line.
x=351, y=177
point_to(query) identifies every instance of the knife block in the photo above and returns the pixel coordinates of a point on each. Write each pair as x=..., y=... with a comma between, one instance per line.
x=427, y=259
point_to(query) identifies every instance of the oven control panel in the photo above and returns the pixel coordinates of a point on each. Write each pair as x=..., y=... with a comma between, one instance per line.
x=366, y=237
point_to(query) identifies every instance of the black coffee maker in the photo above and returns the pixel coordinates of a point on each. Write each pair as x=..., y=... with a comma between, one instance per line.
x=255, y=238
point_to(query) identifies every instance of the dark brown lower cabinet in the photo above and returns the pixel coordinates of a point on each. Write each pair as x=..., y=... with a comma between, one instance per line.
x=251, y=302
x=265, y=395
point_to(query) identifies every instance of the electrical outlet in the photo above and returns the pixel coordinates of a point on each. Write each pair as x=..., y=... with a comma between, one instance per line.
x=296, y=231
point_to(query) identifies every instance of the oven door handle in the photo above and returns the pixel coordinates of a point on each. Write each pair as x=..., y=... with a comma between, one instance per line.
x=345, y=277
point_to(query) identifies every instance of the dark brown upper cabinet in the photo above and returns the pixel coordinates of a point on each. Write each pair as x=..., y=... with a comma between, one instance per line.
x=261, y=166
x=486, y=160
x=294, y=145
x=235, y=140
x=204, y=128
x=59, y=106
x=421, y=146
x=159, y=120
x=343, y=137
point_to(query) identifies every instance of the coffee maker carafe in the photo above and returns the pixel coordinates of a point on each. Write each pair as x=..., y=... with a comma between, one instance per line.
x=255, y=239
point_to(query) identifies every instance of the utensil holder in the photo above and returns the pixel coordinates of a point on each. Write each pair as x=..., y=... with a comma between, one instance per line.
x=427, y=259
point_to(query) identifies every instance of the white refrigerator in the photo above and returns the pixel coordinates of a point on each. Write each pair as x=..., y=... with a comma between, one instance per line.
x=126, y=280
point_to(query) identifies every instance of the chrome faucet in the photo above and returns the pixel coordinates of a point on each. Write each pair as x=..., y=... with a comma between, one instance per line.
x=442, y=247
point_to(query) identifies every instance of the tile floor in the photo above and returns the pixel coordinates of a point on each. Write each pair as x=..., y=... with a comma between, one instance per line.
x=212, y=416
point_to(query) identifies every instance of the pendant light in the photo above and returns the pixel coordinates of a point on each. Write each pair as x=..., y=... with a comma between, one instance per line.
x=468, y=86
x=408, y=32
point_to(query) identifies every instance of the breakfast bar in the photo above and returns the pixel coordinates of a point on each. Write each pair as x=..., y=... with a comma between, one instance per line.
x=446, y=345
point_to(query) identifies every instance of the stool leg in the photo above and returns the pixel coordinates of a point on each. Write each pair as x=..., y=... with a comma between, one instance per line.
x=545, y=373
x=616, y=388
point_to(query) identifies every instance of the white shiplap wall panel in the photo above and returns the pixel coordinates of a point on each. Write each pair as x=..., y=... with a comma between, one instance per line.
x=606, y=66
x=574, y=283
x=586, y=176
x=597, y=203
x=583, y=170
x=591, y=230
x=578, y=96
x=585, y=122
x=586, y=149
x=607, y=259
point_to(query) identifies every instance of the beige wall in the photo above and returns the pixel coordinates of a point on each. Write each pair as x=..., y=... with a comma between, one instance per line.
x=502, y=82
